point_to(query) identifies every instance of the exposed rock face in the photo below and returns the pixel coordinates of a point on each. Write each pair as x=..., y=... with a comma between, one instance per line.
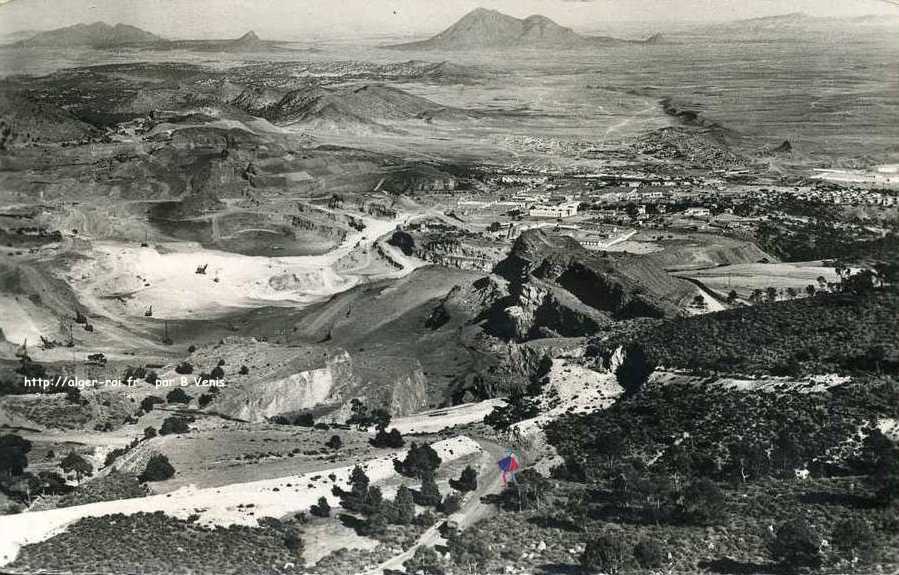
x=297, y=392
x=410, y=394
x=556, y=288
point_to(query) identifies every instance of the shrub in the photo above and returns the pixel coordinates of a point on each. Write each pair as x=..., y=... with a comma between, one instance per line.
x=425, y=561
x=217, y=373
x=334, y=443
x=796, y=546
x=425, y=519
x=205, y=400
x=177, y=395
x=293, y=541
x=184, y=368
x=605, y=554
x=158, y=469
x=383, y=439
x=452, y=503
x=854, y=537
x=244, y=370
x=298, y=419
x=635, y=370
x=174, y=425
x=148, y=402
x=703, y=503
x=468, y=480
x=149, y=432
x=649, y=554
x=321, y=509
x=13, y=455
x=134, y=373
x=526, y=491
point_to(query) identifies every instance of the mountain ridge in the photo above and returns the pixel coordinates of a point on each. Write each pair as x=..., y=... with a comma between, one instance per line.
x=96, y=35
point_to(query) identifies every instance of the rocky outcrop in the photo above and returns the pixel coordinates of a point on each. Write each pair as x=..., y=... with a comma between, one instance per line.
x=297, y=392
x=558, y=289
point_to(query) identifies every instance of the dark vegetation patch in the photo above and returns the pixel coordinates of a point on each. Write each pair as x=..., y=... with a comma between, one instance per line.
x=842, y=333
x=160, y=544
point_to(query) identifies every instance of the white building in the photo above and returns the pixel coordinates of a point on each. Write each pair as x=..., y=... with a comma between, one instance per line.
x=698, y=212
x=560, y=210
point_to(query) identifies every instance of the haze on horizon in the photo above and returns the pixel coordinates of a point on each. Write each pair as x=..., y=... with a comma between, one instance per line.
x=311, y=19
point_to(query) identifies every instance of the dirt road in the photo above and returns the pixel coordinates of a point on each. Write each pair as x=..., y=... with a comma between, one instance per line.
x=472, y=511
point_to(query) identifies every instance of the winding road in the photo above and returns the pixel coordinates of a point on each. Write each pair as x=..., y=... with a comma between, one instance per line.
x=472, y=511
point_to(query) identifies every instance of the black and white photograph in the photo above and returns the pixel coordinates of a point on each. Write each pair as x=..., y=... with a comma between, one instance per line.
x=458, y=287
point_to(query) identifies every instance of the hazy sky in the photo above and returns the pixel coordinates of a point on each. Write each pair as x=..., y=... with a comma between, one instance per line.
x=298, y=19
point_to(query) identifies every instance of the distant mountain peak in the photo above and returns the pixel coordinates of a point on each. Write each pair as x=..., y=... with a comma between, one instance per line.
x=483, y=28
x=249, y=37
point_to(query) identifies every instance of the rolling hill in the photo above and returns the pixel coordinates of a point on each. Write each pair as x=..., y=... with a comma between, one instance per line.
x=367, y=104
x=489, y=29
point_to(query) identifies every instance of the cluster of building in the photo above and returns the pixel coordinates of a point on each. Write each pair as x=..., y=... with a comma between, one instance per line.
x=850, y=197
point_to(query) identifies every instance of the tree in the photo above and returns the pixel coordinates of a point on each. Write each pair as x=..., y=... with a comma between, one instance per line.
x=362, y=497
x=13, y=455
x=771, y=294
x=792, y=293
x=699, y=302
x=158, y=469
x=334, y=443
x=403, y=506
x=605, y=554
x=420, y=462
x=732, y=297
x=149, y=432
x=77, y=464
x=322, y=509
x=363, y=418
x=635, y=369
x=810, y=290
x=429, y=494
x=649, y=554
x=468, y=480
x=703, y=503
x=796, y=546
